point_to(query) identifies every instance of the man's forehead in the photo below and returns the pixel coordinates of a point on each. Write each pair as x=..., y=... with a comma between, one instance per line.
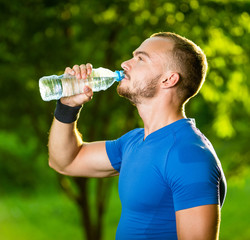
x=155, y=45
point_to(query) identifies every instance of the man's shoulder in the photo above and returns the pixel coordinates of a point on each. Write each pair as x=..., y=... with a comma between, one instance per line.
x=192, y=145
x=133, y=133
x=190, y=135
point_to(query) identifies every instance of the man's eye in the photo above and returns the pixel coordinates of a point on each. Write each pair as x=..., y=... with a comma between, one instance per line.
x=140, y=58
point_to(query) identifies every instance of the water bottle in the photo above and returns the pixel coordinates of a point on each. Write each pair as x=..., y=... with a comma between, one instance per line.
x=54, y=87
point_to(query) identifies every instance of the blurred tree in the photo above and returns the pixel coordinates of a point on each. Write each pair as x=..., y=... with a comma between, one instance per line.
x=41, y=37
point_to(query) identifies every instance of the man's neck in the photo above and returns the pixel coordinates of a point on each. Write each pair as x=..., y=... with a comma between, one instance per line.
x=157, y=114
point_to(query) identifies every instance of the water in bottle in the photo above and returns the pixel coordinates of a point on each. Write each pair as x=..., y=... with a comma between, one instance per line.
x=54, y=87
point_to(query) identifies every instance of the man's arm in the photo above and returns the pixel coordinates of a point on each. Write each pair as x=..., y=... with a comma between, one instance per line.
x=198, y=223
x=68, y=154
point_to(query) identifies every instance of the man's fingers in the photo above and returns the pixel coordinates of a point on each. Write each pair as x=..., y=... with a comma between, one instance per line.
x=89, y=68
x=83, y=70
x=77, y=70
x=88, y=91
x=68, y=70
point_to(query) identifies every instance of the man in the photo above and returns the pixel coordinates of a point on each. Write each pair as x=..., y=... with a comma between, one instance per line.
x=171, y=183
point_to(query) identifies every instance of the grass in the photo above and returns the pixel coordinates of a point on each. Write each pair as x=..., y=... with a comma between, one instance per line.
x=236, y=211
x=49, y=216
x=43, y=217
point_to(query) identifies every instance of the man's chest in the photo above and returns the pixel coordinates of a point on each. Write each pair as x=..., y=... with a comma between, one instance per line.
x=142, y=183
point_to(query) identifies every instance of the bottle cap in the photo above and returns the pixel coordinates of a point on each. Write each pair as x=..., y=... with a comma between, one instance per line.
x=119, y=75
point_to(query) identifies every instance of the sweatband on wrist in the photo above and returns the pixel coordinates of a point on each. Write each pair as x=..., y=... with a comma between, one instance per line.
x=66, y=114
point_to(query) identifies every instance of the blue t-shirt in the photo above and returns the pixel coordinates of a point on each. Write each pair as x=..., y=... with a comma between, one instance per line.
x=174, y=168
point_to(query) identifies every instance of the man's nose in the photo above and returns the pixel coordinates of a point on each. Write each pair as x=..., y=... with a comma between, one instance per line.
x=126, y=65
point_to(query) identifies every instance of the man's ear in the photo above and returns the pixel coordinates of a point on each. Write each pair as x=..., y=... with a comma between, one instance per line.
x=171, y=80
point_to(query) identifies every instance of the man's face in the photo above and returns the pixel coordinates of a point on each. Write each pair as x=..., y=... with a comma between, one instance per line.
x=145, y=70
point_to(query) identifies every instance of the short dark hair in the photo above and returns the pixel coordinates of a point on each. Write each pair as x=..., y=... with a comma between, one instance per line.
x=190, y=60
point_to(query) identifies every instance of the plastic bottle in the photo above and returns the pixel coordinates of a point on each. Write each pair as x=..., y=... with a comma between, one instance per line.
x=54, y=87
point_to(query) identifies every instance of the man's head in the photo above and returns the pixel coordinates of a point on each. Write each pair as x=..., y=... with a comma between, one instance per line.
x=190, y=62
x=165, y=60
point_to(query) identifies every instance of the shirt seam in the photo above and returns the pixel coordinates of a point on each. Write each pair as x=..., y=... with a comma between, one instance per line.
x=167, y=181
x=167, y=161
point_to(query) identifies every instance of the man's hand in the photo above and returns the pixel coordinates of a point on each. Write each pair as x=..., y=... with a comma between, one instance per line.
x=81, y=72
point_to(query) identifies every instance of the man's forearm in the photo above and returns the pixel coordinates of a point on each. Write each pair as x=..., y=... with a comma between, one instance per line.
x=65, y=141
x=64, y=144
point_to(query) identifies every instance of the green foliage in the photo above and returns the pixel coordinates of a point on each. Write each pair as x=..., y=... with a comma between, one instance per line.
x=235, y=212
x=42, y=37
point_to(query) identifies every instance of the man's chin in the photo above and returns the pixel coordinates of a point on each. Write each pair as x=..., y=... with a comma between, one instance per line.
x=124, y=92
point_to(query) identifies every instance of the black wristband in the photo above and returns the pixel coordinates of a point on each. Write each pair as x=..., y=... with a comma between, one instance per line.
x=66, y=114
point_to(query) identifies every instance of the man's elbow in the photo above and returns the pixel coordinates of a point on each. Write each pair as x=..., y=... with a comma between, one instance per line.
x=51, y=163
x=54, y=166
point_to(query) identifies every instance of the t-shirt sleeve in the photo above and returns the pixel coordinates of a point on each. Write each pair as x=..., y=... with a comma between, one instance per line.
x=193, y=176
x=116, y=148
x=113, y=149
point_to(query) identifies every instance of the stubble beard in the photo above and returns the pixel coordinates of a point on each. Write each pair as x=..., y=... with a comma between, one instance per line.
x=138, y=93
